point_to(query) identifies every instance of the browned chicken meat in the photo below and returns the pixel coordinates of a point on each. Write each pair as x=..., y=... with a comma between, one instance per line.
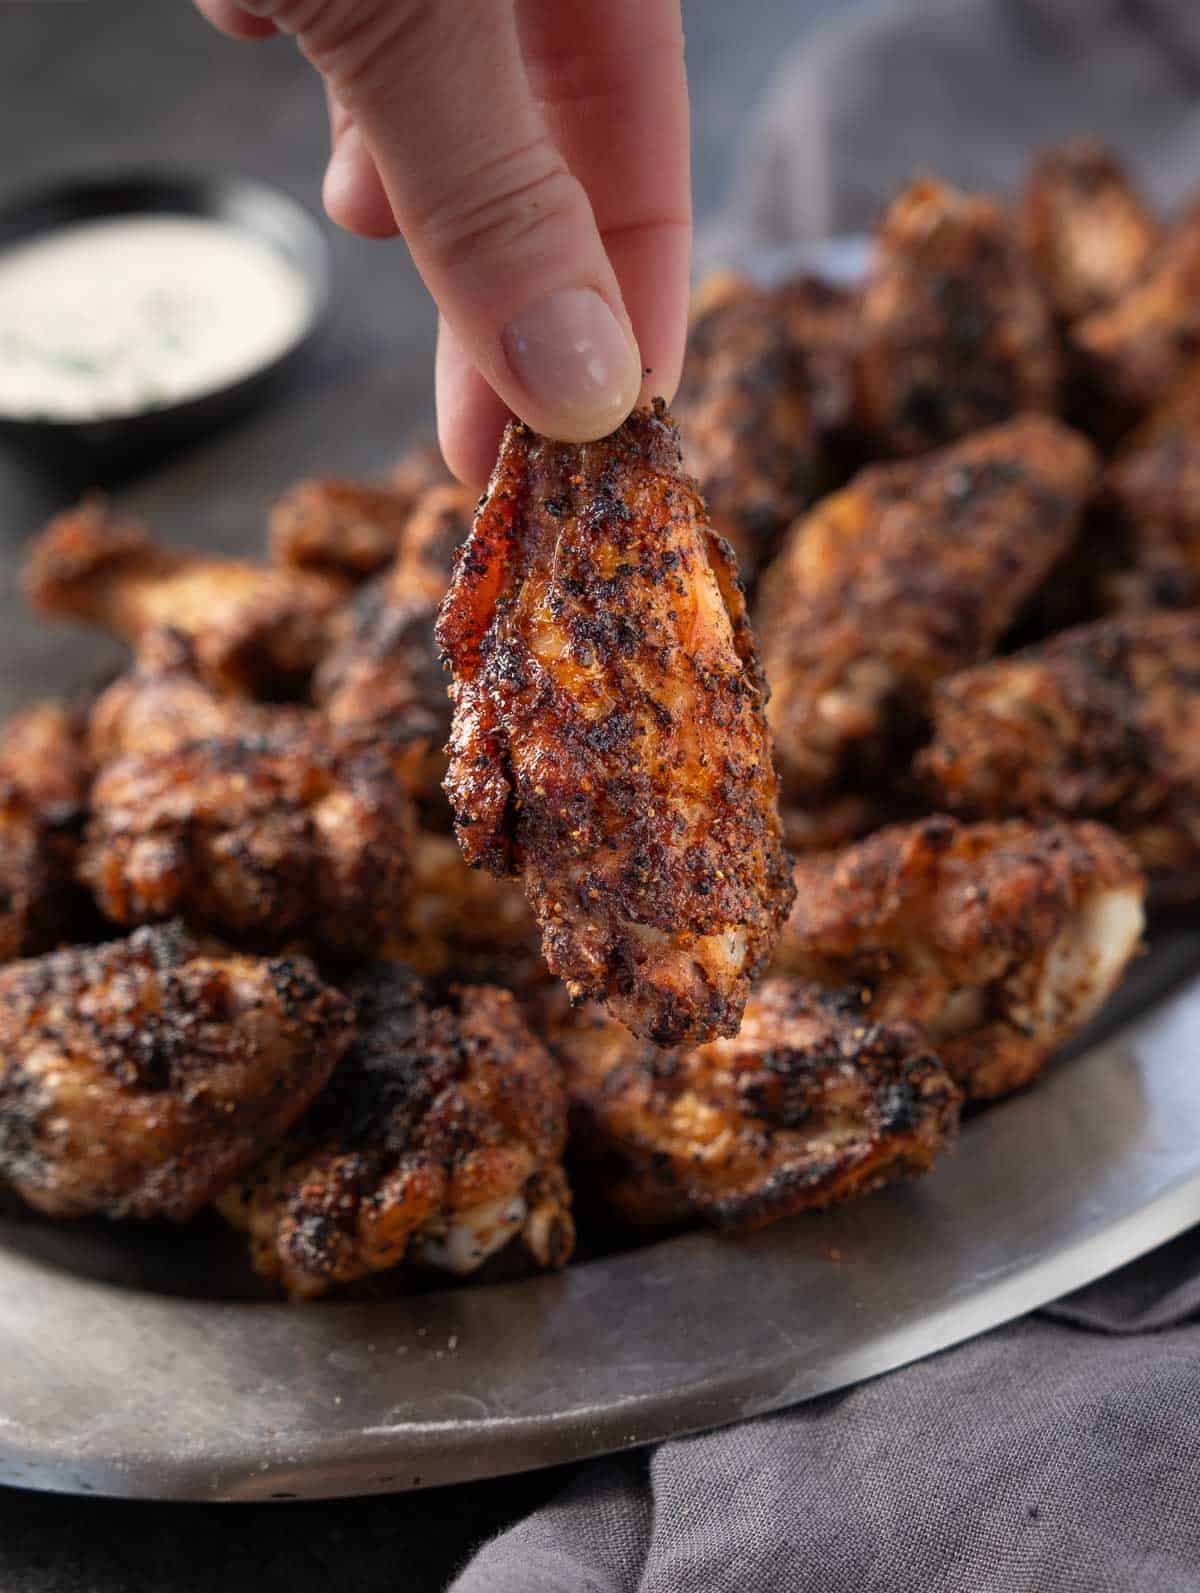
x=464, y=923
x=257, y=630
x=1154, y=484
x=1102, y=722
x=439, y=1140
x=139, y=1077
x=998, y=940
x=914, y=570
x=385, y=668
x=345, y=528
x=768, y=379
x=811, y=1103
x=1088, y=230
x=1133, y=351
x=955, y=332
x=609, y=747
x=44, y=778
x=164, y=703
x=264, y=840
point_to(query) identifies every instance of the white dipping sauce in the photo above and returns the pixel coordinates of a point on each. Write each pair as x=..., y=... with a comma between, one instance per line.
x=107, y=318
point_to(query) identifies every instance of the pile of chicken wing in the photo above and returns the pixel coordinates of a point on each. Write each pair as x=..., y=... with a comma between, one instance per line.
x=440, y=863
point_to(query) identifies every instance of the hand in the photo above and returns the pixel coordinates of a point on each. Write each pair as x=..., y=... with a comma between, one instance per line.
x=534, y=155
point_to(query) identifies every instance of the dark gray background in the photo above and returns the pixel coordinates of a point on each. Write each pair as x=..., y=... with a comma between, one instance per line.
x=98, y=85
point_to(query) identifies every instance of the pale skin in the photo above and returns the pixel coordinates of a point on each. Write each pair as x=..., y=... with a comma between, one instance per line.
x=534, y=156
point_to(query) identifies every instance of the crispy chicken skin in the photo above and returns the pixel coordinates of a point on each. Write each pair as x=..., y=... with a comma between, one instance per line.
x=1154, y=484
x=998, y=940
x=811, y=1103
x=257, y=630
x=609, y=747
x=1134, y=350
x=139, y=1077
x=163, y=703
x=264, y=840
x=439, y=1139
x=343, y=528
x=1102, y=722
x=768, y=376
x=914, y=570
x=954, y=331
x=44, y=777
x=1088, y=230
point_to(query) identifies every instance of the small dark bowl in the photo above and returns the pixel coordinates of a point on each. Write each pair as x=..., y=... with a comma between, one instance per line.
x=104, y=450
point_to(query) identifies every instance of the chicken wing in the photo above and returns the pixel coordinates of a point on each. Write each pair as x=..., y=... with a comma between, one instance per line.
x=257, y=630
x=439, y=1140
x=811, y=1103
x=139, y=1077
x=768, y=380
x=1154, y=484
x=44, y=777
x=341, y=528
x=914, y=570
x=954, y=330
x=385, y=667
x=266, y=841
x=999, y=941
x=163, y=703
x=1102, y=722
x=1133, y=351
x=1088, y=230
x=609, y=747
x=464, y=924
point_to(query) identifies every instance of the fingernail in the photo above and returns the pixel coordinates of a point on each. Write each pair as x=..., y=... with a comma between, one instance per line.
x=577, y=363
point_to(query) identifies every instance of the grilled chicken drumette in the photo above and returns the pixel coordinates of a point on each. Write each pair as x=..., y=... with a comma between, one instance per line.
x=768, y=378
x=439, y=1140
x=998, y=940
x=44, y=778
x=464, y=923
x=1154, y=485
x=342, y=528
x=914, y=570
x=265, y=840
x=139, y=1077
x=164, y=703
x=385, y=666
x=1102, y=722
x=1088, y=230
x=257, y=630
x=954, y=331
x=811, y=1103
x=1133, y=351
x=609, y=747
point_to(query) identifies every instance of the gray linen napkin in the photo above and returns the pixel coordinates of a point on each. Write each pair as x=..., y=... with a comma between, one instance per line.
x=1062, y=1452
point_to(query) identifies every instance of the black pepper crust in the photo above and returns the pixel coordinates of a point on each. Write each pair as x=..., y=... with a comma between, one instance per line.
x=954, y=928
x=1100, y=722
x=955, y=332
x=139, y=1077
x=609, y=747
x=443, y=1107
x=914, y=570
x=266, y=840
x=813, y=1102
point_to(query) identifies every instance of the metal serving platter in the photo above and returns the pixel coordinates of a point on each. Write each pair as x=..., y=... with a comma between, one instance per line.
x=142, y=1362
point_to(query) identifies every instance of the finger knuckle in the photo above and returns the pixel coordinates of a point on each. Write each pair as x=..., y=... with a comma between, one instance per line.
x=503, y=208
x=352, y=41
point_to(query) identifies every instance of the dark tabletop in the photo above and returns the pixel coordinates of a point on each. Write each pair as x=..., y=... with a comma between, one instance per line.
x=96, y=86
